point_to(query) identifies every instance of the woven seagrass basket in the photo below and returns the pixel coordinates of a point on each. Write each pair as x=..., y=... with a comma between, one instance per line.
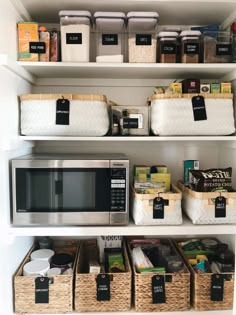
x=60, y=290
x=177, y=289
x=86, y=286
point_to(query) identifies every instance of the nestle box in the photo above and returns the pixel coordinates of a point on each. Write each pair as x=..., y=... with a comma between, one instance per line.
x=130, y=120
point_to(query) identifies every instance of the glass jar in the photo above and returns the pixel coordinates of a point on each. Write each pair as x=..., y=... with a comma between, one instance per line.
x=167, y=47
x=142, y=40
x=109, y=28
x=190, y=46
x=75, y=35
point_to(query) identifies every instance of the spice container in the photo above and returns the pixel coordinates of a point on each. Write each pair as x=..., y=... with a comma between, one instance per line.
x=190, y=46
x=167, y=47
x=75, y=35
x=142, y=40
x=109, y=36
x=55, y=46
x=217, y=47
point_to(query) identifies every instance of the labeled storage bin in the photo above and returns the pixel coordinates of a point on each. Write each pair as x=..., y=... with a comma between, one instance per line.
x=75, y=35
x=217, y=47
x=109, y=28
x=148, y=209
x=27, y=297
x=201, y=209
x=64, y=115
x=167, y=47
x=130, y=120
x=189, y=114
x=204, y=285
x=142, y=42
x=87, y=289
x=174, y=290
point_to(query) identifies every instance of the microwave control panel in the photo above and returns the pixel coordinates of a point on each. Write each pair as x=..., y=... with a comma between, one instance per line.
x=118, y=189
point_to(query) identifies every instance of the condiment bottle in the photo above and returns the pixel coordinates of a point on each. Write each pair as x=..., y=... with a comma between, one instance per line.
x=124, y=131
x=44, y=36
x=224, y=258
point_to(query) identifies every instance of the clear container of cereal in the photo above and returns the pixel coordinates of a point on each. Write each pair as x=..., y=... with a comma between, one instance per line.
x=109, y=28
x=217, y=47
x=167, y=47
x=75, y=35
x=190, y=46
x=142, y=41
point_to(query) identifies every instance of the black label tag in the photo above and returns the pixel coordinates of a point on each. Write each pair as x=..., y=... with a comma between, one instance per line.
x=223, y=49
x=144, y=39
x=42, y=290
x=103, y=287
x=199, y=109
x=220, y=207
x=109, y=39
x=130, y=123
x=158, y=289
x=217, y=287
x=158, y=208
x=63, y=112
x=191, y=48
x=167, y=49
x=74, y=38
x=37, y=47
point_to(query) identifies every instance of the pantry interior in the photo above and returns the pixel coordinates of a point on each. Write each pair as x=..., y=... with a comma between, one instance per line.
x=123, y=84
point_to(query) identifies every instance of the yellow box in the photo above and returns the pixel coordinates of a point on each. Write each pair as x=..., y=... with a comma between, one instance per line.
x=27, y=32
x=161, y=178
x=176, y=87
x=225, y=87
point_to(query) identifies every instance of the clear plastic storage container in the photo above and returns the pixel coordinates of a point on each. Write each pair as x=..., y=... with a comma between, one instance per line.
x=167, y=47
x=142, y=40
x=190, y=46
x=217, y=47
x=109, y=36
x=75, y=35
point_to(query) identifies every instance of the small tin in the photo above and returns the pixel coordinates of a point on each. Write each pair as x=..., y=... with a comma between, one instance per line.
x=205, y=88
x=209, y=244
x=215, y=88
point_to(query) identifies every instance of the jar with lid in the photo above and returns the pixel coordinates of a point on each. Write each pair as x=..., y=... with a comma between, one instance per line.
x=190, y=46
x=142, y=41
x=109, y=28
x=224, y=258
x=167, y=47
x=75, y=35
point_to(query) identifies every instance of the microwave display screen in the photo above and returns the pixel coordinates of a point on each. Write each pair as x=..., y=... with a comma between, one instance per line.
x=63, y=189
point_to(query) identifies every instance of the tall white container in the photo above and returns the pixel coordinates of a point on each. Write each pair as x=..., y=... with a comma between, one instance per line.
x=75, y=35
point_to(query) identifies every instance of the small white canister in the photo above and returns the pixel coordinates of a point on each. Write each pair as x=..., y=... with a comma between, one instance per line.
x=36, y=268
x=42, y=254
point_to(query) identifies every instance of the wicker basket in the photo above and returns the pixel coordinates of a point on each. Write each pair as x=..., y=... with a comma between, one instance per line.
x=142, y=208
x=177, y=290
x=60, y=290
x=86, y=287
x=200, y=206
x=201, y=288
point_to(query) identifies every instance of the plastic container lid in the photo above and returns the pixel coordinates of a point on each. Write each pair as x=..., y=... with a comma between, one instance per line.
x=109, y=21
x=69, y=13
x=36, y=267
x=192, y=37
x=142, y=21
x=62, y=259
x=168, y=39
x=168, y=34
x=54, y=272
x=42, y=254
x=190, y=33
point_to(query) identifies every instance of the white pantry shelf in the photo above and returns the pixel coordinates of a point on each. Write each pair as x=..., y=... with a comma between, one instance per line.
x=129, y=139
x=187, y=228
x=129, y=70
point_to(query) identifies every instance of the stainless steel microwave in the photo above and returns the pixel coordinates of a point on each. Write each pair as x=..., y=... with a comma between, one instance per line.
x=70, y=190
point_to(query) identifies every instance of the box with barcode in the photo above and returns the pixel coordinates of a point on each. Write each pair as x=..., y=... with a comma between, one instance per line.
x=190, y=165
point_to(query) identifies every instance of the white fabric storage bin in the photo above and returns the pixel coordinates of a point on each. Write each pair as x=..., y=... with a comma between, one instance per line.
x=88, y=115
x=200, y=206
x=172, y=115
x=142, y=208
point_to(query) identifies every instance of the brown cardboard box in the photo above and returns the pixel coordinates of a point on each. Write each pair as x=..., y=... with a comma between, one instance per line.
x=27, y=32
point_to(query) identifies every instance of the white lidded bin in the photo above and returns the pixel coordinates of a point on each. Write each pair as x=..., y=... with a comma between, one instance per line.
x=42, y=254
x=75, y=35
x=142, y=42
x=109, y=28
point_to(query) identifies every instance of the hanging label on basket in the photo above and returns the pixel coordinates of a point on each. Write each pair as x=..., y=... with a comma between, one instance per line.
x=42, y=290
x=143, y=40
x=37, y=47
x=109, y=39
x=63, y=112
x=217, y=287
x=158, y=208
x=199, y=108
x=158, y=289
x=220, y=207
x=103, y=287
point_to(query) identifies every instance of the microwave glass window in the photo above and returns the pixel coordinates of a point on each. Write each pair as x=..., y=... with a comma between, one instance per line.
x=63, y=190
